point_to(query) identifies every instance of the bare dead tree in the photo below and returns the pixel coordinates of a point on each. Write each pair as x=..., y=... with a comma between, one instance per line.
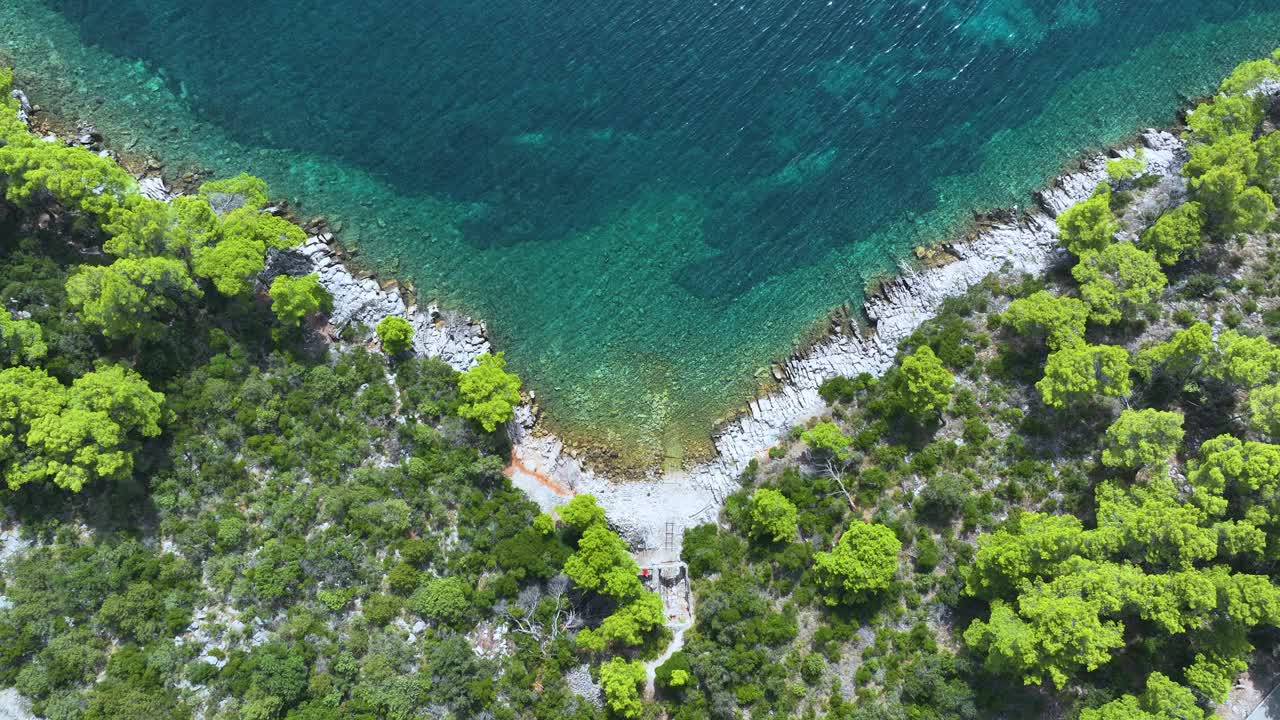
x=564, y=618
x=835, y=469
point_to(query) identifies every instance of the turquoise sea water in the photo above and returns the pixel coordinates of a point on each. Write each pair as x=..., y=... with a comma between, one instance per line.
x=648, y=201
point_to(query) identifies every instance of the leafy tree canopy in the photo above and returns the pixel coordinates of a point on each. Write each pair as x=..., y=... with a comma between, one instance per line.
x=921, y=386
x=1244, y=360
x=581, y=512
x=1264, y=410
x=826, y=437
x=132, y=297
x=1141, y=438
x=231, y=194
x=1089, y=225
x=1126, y=168
x=1118, y=281
x=1248, y=75
x=1181, y=357
x=773, y=516
x=395, y=333
x=21, y=341
x=1178, y=234
x=1164, y=699
x=863, y=562
x=620, y=680
x=489, y=393
x=294, y=298
x=1060, y=320
x=1226, y=115
x=239, y=254
x=1082, y=371
x=72, y=436
x=602, y=564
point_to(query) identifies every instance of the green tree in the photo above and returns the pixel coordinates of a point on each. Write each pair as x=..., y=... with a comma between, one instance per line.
x=196, y=226
x=1213, y=676
x=1180, y=357
x=1232, y=469
x=1047, y=637
x=1123, y=169
x=395, y=333
x=1235, y=153
x=240, y=251
x=489, y=393
x=1267, y=170
x=1245, y=360
x=26, y=394
x=620, y=680
x=921, y=386
x=1178, y=234
x=863, y=562
x=442, y=599
x=1232, y=206
x=21, y=341
x=294, y=298
x=73, y=436
x=628, y=625
x=122, y=394
x=131, y=297
x=1226, y=115
x=73, y=448
x=773, y=516
x=581, y=513
x=76, y=178
x=1153, y=525
x=602, y=564
x=1248, y=75
x=1089, y=226
x=1254, y=210
x=1140, y=438
x=233, y=193
x=1264, y=410
x=1028, y=547
x=1059, y=321
x=1164, y=699
x=1118, y=281
x=140, y=227
x=1081, y=371
x=826, y=437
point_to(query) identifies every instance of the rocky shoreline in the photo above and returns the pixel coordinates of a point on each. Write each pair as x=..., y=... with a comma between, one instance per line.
x=652, y=511
x=643, y=510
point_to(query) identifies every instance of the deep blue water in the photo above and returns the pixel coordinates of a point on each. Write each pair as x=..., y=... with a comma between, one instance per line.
x=737, y=168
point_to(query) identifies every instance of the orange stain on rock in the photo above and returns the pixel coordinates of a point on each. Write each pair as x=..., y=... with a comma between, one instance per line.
x=517, y=465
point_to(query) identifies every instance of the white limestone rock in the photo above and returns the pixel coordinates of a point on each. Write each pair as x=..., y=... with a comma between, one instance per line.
x=154, y=188
x=24, y=105
x=450, y=336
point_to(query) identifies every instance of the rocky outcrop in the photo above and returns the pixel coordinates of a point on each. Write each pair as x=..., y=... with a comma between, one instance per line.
x=154, y=188
x=450, y=336
x=24, y=105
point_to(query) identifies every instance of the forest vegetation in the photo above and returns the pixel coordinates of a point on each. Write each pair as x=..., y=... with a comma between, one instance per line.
x=1062, y=501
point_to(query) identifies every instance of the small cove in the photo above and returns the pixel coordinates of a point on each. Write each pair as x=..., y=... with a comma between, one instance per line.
x=647, y=204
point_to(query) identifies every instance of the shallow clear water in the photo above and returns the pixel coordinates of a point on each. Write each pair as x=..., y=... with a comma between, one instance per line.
x=647, y=201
